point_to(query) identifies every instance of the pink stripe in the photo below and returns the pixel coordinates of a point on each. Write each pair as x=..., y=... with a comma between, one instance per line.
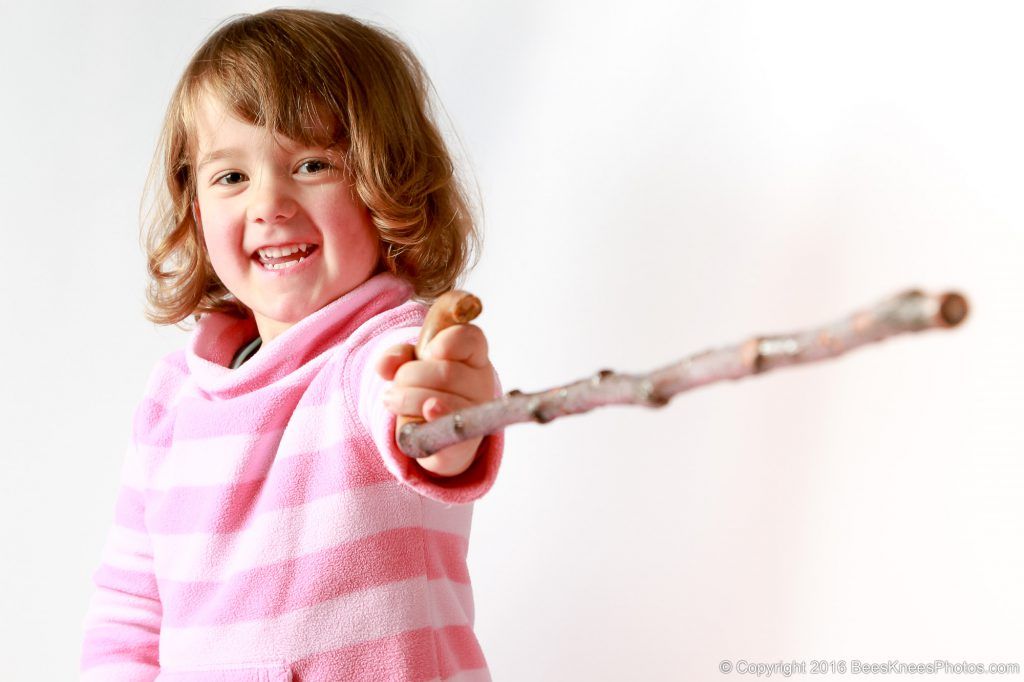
x=125, y=581
x=118, y=644
x=458, y=649
x=446, y=556
x=268, y=591
x=413, y=656
x=295, y=481
x=151, y=424
x=129, y=510
x=263, y=411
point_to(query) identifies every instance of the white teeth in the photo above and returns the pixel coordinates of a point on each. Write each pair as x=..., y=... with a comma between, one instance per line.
x=279, y=251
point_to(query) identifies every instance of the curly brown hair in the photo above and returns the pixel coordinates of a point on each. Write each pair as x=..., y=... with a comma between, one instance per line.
x=320, y=79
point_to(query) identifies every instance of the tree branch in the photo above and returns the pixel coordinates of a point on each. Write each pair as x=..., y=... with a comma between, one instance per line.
x=910, y=311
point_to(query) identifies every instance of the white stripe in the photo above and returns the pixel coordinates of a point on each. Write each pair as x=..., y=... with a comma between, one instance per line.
x=292, y=532
x=116, y=608
x=450, y=602
x=393, y=609
x=202, y=461
x=122, y=672
x=133, y=468
x=127, y=549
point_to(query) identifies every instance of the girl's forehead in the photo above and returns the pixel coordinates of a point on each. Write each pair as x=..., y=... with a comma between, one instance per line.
x=213, y=120
x=217, y=124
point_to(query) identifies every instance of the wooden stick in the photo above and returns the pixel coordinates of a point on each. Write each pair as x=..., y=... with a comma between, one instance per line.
x=910, y=311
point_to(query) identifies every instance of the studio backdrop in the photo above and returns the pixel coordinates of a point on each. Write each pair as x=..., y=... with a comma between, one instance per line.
x=654, y=179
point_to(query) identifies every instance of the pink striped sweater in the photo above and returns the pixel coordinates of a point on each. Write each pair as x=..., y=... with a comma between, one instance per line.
x=267, y=527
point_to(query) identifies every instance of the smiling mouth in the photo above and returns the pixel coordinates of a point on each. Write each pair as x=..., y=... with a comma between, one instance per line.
x=274, y=258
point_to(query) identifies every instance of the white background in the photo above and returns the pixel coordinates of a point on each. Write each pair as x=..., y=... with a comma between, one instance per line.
x=657, y=179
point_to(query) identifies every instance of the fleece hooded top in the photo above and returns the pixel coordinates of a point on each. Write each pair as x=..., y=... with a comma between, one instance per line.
x=268, y=528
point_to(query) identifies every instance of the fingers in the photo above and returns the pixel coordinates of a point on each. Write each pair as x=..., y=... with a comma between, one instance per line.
x=421, y=402
x=456, y=374
x=462, y=343
x=393, y=358
x=446, y=376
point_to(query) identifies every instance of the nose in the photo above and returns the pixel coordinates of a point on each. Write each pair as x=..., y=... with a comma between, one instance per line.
x=270, y=202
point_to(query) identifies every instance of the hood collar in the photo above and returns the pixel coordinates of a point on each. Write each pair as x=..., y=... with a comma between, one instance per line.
x=218, y=336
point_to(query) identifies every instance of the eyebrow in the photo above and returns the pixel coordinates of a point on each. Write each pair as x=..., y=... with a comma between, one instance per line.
x=217, y=154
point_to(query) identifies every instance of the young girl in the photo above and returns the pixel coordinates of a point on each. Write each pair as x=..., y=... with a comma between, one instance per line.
x=267, y=526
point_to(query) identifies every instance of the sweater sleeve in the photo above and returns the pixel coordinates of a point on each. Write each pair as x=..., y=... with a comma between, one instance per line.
x=122, y=624
x=380, y=423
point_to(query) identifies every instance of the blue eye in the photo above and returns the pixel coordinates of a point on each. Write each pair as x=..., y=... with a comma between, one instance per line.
x=232, y=178
x=313, y=166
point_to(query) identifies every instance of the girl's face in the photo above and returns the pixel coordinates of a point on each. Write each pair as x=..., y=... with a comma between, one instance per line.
x=283, y=228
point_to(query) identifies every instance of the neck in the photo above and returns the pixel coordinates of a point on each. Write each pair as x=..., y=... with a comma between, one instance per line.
x=270, y=329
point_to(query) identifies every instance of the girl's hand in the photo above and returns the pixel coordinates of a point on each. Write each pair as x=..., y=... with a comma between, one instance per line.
x=455, y=373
